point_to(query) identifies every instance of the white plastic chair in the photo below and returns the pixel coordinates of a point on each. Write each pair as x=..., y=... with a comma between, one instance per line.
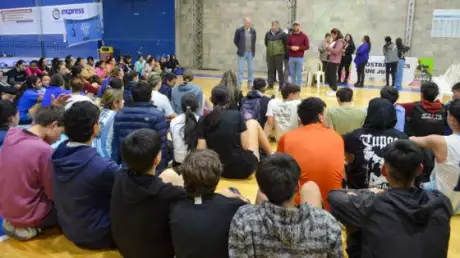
x=313, y=66
x=445, y=81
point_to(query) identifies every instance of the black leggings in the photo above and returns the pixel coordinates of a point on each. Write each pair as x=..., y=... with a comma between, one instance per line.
x=360, y=70
x=390, y=68
x=331, y=75
x=346, y=62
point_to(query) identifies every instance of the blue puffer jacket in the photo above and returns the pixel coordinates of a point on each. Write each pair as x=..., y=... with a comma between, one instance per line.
x=140, y=115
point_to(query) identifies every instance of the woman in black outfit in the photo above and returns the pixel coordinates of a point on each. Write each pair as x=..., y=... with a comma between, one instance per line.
x=346, y=59
x=237, y=142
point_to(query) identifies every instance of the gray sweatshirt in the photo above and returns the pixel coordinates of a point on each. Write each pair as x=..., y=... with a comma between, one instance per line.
x=390, y=51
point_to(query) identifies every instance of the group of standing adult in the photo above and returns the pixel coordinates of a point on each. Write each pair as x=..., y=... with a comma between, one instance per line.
x=286, y=50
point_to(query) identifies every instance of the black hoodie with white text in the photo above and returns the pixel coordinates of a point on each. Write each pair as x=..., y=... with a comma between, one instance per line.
x=398, y=223
x=368, y=143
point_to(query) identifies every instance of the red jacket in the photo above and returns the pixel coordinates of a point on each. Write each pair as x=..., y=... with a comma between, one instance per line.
x=300, y=40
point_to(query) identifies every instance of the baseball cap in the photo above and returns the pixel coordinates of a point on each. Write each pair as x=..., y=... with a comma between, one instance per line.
x=296, y=22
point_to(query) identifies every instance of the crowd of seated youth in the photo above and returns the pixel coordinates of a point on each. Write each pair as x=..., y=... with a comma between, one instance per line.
x=388, y=172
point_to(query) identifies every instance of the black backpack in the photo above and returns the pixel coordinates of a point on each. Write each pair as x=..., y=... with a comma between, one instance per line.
x=423, y=123
x=250, y=108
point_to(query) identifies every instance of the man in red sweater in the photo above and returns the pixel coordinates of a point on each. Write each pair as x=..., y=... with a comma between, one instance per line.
x=297, y=44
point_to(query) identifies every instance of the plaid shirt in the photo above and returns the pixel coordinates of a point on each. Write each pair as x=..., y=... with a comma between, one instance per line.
x=269, y=230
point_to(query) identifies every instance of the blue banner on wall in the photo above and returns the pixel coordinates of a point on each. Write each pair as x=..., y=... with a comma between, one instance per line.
x=82, y=31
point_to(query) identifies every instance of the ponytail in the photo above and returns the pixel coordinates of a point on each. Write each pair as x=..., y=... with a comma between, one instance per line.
x=189, y=129
x=189, y=104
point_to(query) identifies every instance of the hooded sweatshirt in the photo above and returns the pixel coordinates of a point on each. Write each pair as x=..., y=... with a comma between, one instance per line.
x=140, y=214
x=424, y=118
x=25, y=178
x=269, y=230
x=390, y=51
x=179, y=91
x=82, y=190
x=398, y=223
x=368, y=143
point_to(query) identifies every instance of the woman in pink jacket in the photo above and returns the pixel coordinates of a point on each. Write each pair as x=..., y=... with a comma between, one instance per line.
x=335, y=51
x=33, y=69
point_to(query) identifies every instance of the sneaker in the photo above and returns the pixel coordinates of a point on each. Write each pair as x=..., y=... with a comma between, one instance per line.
x=330, y=93
x=19, y=233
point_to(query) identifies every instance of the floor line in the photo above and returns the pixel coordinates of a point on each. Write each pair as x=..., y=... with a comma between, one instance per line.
x=372, y=87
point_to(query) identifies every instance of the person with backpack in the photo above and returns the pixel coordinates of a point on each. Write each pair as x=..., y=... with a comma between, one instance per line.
x=255, y=104
x=427, y=116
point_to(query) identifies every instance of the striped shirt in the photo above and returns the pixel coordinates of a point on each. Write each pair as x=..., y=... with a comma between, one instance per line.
x=103, y=142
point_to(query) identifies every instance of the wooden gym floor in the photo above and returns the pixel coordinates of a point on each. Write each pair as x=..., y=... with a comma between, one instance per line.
x=54, y=244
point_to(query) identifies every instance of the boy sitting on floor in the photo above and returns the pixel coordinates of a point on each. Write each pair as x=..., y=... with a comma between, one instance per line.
x=278, y=227
x=200, y=223
x=26, y=200
x=403, y=221
x=141, y=200
x=83, y=180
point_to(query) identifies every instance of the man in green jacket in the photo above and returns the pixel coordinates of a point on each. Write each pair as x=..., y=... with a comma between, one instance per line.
x=275, y=41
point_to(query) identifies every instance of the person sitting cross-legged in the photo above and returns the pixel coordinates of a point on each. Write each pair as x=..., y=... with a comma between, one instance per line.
x=280, y=228
x=140, y=114
x=186, y=87
x=158, y=99
x=26, y=172
x=200, y=223
x=282, y=115
x=236, y=141
x=141, y=200
x=427, y=116
x=255, y=104
x=392, y=94
x=346, y=117
x=446, y=173
x=317, y=149
x=364, y=146
x=403, y=221
x=83, y=180
x=9, y=117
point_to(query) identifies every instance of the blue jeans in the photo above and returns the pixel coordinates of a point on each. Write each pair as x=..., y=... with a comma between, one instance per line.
x=400, y=74
x=249, y=58
x=295, y=68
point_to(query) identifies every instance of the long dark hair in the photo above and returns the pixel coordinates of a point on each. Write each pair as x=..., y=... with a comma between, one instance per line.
x=399, y=44
x=77, y=62
x=40, y=63
x=367, y=39
x=28, y=84
x=190, y=105
x=31, y=81
x=219, y=98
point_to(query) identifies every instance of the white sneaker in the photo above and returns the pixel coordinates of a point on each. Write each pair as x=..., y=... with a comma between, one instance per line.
x=330, y=93
x=19, y=233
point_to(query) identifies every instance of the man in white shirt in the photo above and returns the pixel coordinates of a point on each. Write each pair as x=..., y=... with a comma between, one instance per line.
x=282, y=114
x=160, y=100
